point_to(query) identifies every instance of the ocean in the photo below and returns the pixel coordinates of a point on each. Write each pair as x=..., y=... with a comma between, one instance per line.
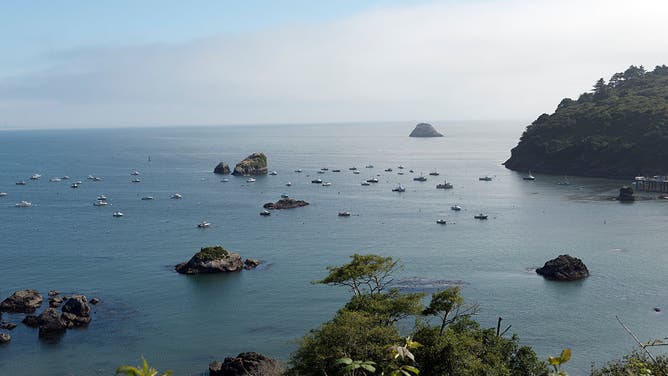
x=183, y=322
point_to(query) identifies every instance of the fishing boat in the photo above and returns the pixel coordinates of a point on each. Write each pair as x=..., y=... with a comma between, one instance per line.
x=326, y=184
x=441, y=221
x=434, y=173
x=366, y=183
x=529, y=177
x=102, y=198
x=35, y=177
x=177, y=196
x=136, y=180
x=265, y=213
x=288, y=184
x=134, y=173
x=117, y=214
x=456, y=208
x=420, y=178
x=316, y=181
x=147, y=198
x=485, y=178
x=372, y=180
x=100, y=203
x=273, y=173
x=444, y=185
x=22, y=182
x=480, y=216
x=344, y=214
x=399, y=188
x=250, y=180
x=388, y=170
x=204, y=224
x=298, y=170
x=54, y=180
x=3, y=194
x=24, y=204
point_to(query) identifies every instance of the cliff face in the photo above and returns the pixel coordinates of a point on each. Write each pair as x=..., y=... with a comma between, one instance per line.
x=619, y=130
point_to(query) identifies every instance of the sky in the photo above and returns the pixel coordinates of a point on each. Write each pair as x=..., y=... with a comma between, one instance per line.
x=124, y=63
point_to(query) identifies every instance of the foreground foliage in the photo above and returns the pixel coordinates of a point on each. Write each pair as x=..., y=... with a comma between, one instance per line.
x=144, y=370
x=363, y=338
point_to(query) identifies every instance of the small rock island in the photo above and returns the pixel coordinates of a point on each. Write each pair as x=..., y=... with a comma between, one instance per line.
x=425, y=130
x=254, y=164
x=285, y=203
x=215, y=259
x=222, y=168
x=564, y=268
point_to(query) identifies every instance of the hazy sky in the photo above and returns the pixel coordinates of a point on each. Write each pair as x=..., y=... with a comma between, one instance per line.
x=139, y=63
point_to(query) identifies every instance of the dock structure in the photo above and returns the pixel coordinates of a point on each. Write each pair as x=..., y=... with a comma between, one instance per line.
x=651, y=183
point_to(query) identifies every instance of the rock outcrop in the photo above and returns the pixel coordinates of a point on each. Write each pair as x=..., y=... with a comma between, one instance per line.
x=564, y=268
x=5, y=338
x=222, y=168
x=50, y=322
x=626, y=194
x=285, y=203
x=425, y=130
x=211, y=260
x=77, y=311
x=245, y=364
x=254, y=164
x=251, y=264
x=22, y=301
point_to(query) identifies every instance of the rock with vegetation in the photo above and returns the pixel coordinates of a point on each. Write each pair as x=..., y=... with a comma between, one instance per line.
x=425, y=130
x=222, y=168
x=564, y=268
x=617, y=130
x=212, y=260
x=254, y=164
x=22, y=301
x=5, y=338
x=245, y=364
x=285, y=203
x=626, y=194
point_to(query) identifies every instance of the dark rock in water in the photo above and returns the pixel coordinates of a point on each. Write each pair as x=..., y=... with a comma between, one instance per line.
x=55, y=301
x=22, y=301
x=7, y=325
x=245, y=364
x=77, y=305
x=5, y=338
x=564, y=268
x=54, y=293
x=285, y=203
x=211, y=260
x=51, y=322
x=94, y=301
x=626, y=194
x=254, y=164
x=425, y=130
x=73, y=320
x=657, y=309
x=31, y=321
x=251, y=263
x=222, y=168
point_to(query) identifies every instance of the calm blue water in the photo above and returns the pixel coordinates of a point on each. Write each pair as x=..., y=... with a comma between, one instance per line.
x=183, y=322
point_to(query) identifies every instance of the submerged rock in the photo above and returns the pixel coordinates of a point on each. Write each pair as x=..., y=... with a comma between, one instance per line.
x=7, y=325
x=564, y=268
x=22, y=301
x=211, y=260
x=245, y=364
x=425, y=130
x=285, y=203
x=251, y=263
x=222, y=168
x=254, y=164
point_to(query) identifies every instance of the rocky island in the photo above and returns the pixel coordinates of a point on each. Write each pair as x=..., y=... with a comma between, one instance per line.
x=222, y=168
x=215, y=260
x=425, y=130
x=285, y=203
x=564, y=268
x=617, y=130
x=254, y=164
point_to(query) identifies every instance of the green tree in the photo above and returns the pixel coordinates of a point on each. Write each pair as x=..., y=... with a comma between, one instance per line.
x=368, y=274
x=448, y=301
x=145, y=370
x=389, y=307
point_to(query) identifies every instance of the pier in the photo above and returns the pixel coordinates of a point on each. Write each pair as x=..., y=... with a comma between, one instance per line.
x=651, y=184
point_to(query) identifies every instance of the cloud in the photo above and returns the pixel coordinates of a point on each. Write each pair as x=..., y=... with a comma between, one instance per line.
x=470, y=60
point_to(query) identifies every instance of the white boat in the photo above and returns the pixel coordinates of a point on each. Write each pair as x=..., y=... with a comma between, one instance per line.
x=250, y=180
x=35, y=177
x=420, y=178
x=344, y=214
x=21, y=183
x=480, y=216
x=441, y=221
x=284, y=195
x=456, y=208
x=366, y=183
x=288, y=184
x=100, y=203
x=356, y=172
x=434, y=173
x=400, y=173
x=265, y=213
x=529, y=177
x=326, y=184
x=316, y=181
x=90, y=177
x=3, y=194
x=399, y=188
x=225, y=180
x=177, y=196
x=117, y=214
x=102, y=198
x=298, y=170
x=134, y=173
x=147, y=198
x=54, y=180
x=74, y=185
x=321, y=172
x=204, y=224
x=65, y=177
x=372, y=180
x=273, y=173
x=97, y=178
x=136, y=180
x=485, y=178
x=400, y=167
x=24, y=204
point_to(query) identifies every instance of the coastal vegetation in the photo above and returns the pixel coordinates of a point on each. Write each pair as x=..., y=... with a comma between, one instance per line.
x=617, y=129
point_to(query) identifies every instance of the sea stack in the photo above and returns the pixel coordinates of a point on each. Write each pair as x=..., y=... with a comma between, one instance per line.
x=425, y=130
x=254, y=164
x=564, y=268
x=212, y=260
x=222, y=168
